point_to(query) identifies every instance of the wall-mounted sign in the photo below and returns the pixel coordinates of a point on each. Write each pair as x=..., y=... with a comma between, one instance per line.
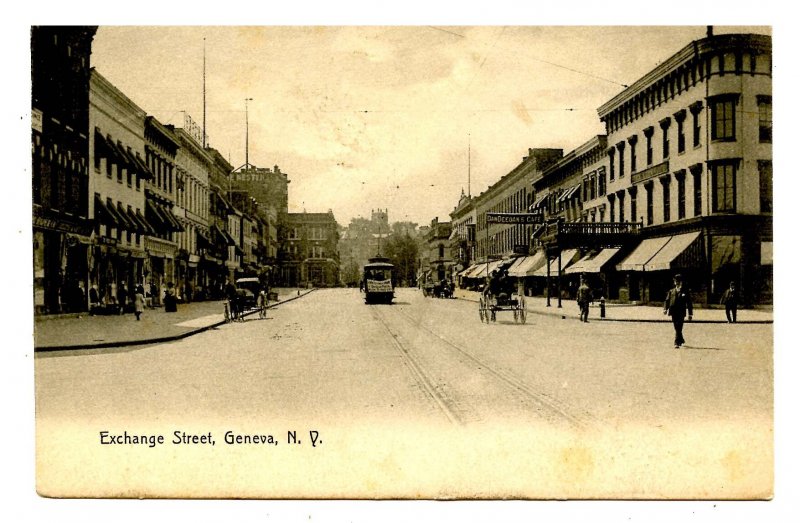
x=525, y=218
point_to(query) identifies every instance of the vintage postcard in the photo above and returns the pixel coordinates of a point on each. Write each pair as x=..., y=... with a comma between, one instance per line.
x=403, y=262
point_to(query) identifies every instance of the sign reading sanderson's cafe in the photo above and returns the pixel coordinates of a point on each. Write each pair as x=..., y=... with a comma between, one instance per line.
x=523, y=218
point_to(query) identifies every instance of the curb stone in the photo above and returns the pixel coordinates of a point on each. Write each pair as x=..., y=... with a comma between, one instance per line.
x=160, y=339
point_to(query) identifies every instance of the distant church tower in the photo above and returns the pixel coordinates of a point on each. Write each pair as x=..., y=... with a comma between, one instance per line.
x=380, y=220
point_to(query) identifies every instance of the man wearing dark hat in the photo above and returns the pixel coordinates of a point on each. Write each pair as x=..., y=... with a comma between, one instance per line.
x=677, y=304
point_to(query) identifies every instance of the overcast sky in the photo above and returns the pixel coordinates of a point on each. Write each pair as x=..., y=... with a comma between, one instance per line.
x=368, y=117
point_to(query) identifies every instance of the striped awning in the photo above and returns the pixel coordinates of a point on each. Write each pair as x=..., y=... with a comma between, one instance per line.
x=568, y=193
x=538, y=203
x=593, y=262
x=666, y=257
x=567, y=257
x=527, y=265
x=642, y=254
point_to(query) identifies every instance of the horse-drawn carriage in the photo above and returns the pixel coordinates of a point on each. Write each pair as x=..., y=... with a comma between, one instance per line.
x=439, y=289
x=499, y=295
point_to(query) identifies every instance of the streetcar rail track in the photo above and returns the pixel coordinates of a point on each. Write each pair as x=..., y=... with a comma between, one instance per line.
x=442, y=401
x=580, y=421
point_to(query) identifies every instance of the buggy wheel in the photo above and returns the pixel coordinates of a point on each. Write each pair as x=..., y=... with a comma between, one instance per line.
x=523, y=315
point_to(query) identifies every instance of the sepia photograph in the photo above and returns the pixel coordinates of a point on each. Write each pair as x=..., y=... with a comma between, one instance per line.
x=402, y=262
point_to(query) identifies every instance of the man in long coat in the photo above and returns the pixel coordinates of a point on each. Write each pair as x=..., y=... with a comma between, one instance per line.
x=677, y=305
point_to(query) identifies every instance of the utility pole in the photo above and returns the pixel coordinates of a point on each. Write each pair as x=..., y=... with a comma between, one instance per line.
x=247, y=134
x=469, y=164
x=204, y=93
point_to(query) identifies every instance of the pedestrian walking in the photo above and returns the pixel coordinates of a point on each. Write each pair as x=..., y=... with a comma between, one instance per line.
x=230, y=296
x=584, y=297
x=139, y=302
x=677, y=305
x=731, y=302
x=170, y=300
x=122, y=297
x=263, y=302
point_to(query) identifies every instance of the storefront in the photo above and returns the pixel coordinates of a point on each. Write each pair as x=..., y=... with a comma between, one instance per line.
x=60, y=265
x=650, y=266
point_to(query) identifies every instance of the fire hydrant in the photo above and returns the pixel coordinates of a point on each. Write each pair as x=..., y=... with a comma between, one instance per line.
x=602, y=307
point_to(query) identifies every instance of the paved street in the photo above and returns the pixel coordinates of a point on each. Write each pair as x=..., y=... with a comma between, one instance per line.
x=513, y=396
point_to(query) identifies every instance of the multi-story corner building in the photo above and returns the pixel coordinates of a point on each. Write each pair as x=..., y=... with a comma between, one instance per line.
x=192, y=167
x=311, y=249
x=690, y=156
x=161, y=148
x=437, y=244
x=118, y=180
x=60, y=131
x=270, y=188
x=462, y=237
x=513, y=194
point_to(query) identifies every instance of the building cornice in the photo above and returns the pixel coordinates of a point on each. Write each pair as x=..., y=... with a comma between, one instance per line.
x=100, y=86
x=695, y=50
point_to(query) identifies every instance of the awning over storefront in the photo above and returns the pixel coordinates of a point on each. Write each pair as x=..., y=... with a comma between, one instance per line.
x=478, y=271
x=667, y=257
x=642, y=254
x=494, y=265
x=593, y=262
x=567, y=257
x=516, y=263
x=528, y=265
x=466, y=271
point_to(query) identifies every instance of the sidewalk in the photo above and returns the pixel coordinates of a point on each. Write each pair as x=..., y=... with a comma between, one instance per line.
x=626, y=312
x=156, y=326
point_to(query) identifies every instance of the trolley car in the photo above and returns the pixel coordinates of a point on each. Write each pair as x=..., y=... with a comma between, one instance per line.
x=378, y=281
